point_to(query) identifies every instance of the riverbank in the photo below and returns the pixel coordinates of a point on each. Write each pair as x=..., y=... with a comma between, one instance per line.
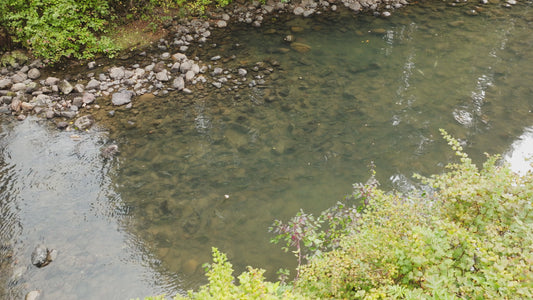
x=170, y=65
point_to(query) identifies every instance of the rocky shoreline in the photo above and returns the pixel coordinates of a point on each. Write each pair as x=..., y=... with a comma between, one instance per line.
x=71, y=100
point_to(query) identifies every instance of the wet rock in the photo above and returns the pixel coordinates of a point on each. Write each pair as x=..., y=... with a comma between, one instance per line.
x=300, y=47
x=50, y=81
x=456, y=23
x=42, y=256
x=185, y=66
x=160, y=66
x=5, y=99
x=175, y=68
x=41, y=100
x=179, y=56
x=221, y=24
x=78, y=87
x=65, y=87
x=109, y=151
x=122, y=97
x=162, y=76
x=18, y=87
x=19, y=77
x=5, y=83
x=385, y=14
x=15, y=105
x=34, y=73
x=116, y=73
x=33, y=295
x=25, y=106
x=178, y=83
x=69, y=114
x=189, y=75
x=31, y=87
x=84, y=122
x=298, y=10
x=77, y=101
x=88, y=98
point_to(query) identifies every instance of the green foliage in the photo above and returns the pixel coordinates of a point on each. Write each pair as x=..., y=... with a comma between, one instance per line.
x=252, y=284
x=472, y=237
x=53, y=29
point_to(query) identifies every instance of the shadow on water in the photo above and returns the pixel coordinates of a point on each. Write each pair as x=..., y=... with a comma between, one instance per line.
x=215, y=169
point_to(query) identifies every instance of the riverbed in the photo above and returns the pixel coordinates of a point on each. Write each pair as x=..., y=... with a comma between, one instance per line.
x=217, y=167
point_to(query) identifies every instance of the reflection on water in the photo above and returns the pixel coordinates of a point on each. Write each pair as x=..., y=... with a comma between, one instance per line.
x=520, y=154
x=203, y=170
x=55, y=191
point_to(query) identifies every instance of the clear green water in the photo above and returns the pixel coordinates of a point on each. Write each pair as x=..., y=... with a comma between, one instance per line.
x=215, y=170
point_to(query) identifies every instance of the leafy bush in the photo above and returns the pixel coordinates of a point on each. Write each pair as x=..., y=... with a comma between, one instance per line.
x=53, y=29
x=469, y=236
x=472, y=237
x=252, y=283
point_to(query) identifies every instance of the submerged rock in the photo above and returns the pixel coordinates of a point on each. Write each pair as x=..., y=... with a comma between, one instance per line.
x=300, y=47
x=109, y=151
x=84, y=122
x=42, y=256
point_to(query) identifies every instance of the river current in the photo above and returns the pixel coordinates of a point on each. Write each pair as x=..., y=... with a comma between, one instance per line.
x=216, y=169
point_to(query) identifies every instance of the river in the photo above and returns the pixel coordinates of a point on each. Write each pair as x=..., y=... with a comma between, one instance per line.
x=217, y=169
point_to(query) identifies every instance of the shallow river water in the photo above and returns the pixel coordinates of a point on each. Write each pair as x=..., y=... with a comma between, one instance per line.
x=215, y=170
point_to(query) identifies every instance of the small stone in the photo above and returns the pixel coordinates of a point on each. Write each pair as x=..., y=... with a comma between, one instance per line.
x=84, y=122
x=109, y=151
x=62, y=125
x=116, y=73
x=214, y=58
x=162, y=76
x=189, y=75
x=38, y=256
x=91, y=65
x=78, y=88
x=298, y=10
x=165, y=55
x=221, y=24
x=25, y=106
x=19, y=77
x=217, y=84
x=88, y=98
x=50, y=81
x=300, y=47
x=122, y=97
x=21, y=117
x=179, y=56
x=65, y=87
x=34, y=73
x=178, y=83
x=18, y=87
x=33, y=295
x=242, y=72
x=385, y=14
x=69, y=114
x=175, y=68
x=5, y=83
x=185, y=66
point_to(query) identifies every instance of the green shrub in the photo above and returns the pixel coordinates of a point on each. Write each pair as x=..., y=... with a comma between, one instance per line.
x=53, y=29
x=252, y=284
x=471, y=237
